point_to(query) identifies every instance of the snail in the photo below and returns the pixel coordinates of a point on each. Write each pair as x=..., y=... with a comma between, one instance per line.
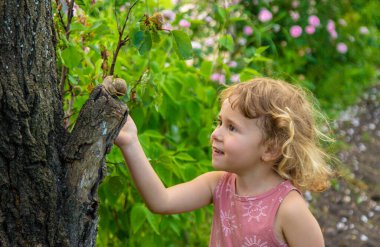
x=115, y=86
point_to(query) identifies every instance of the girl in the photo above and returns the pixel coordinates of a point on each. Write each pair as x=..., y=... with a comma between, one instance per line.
x=265, y=150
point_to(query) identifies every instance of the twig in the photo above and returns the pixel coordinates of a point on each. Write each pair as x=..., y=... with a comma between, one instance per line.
x=67, y=33
x=60, y=14
x=121, y=40
x=70, y=14
x=139, y=80
x=117, y=19
x=69, y=110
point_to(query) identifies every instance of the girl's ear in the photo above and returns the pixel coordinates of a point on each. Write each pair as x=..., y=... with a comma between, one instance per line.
x=272, y=151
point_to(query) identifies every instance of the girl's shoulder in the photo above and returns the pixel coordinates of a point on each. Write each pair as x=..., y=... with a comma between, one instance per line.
x=212, y=179
x=293, y=209
x=215, y=177
x=291, y=203
x=297, y=223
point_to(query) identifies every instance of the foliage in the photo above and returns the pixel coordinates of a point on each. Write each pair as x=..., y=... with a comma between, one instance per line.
x=173, y=100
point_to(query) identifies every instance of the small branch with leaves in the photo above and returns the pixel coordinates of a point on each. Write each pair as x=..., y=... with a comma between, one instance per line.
x=122, y=40
x=66, y=27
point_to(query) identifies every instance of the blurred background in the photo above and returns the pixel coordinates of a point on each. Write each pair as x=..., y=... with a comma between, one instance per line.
x=177, y=55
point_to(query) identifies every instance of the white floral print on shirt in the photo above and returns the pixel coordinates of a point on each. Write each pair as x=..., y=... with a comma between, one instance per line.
x=254, y=241
x=255, y=210
x=228, y=222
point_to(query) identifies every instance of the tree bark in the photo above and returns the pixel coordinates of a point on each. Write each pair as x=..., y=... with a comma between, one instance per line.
x=48, y=177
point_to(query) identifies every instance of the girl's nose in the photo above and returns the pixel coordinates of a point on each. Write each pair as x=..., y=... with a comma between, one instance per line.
x=216, y=135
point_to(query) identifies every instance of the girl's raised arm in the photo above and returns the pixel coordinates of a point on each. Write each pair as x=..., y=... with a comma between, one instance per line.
x=179, y=198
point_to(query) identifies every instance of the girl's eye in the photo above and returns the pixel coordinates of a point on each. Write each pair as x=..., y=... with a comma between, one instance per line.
x=231, y=128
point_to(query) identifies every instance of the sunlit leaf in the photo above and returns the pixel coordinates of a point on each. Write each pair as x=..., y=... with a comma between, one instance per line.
x=227, y=42
x=183, y=44
x=154, y=220
x=138, y=216
x=206, y=68
x=71, y=57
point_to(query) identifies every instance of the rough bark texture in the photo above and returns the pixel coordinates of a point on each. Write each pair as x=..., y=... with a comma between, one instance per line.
x=97, y=126
x=47, y=193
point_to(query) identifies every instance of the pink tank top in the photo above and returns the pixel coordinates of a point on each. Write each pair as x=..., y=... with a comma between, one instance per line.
x=242, y=221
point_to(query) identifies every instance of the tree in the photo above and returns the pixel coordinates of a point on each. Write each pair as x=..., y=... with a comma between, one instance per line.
x=49, y=177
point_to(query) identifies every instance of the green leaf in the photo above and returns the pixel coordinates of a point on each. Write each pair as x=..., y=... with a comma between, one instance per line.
x=137, y=38
x=227, y=42
x=206, y=68
x=261, y=49
x=153, y=220
x=83, y=4
x=184, y=157
x=138, y=216
x=156, y=37
x=73, y=80
x=71, y=57
x=183, y=44
x=146, y=44
x=190, y=171
x=204, y=137
x=248, y=74
x=153, y=134
x=116, y=185
x=155, y=67
x=220, y=13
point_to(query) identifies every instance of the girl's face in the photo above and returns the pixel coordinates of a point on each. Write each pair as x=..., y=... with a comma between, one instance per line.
x=236, y=141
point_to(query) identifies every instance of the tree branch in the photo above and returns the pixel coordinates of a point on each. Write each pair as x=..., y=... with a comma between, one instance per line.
x=98, y=124
x=121, y=41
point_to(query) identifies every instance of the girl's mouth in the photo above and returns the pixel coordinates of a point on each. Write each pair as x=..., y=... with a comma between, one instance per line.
x=218, y=151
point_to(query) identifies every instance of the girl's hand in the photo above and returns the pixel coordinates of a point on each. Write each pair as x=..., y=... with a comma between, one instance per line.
x=127, y=134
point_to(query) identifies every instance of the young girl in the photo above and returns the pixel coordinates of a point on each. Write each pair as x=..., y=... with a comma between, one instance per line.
x=265, y=150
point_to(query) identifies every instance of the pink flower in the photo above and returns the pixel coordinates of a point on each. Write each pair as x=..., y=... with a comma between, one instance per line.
x=265, y=15
x=333, y=34
x=232, y=64
x=314, y=21
x=310, y=29
x=295, y=4
x=342, y=22
x=184, y=23
x=196, y=45
x=208, y=19
x=330, y=26
x=341, y=48
x=242, y=41
x=235, y=78
x=295, y=31
x=222, y=79
x=209, y=42
x=247, y=30
x=168, y=14
x=215, y=77
x=363, y=30
x=167, y=26
x=295, y=15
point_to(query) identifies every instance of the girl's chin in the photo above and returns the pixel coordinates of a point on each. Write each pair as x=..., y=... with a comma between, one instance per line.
x=217, y=166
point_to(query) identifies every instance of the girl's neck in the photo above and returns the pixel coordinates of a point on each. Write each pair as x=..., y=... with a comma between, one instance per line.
x=256, y=183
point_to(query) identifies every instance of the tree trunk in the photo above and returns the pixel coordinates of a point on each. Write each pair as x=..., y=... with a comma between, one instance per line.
x=48, y=178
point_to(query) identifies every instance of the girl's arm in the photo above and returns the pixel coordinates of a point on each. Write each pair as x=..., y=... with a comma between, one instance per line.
x=180, y=198
x=299, y=226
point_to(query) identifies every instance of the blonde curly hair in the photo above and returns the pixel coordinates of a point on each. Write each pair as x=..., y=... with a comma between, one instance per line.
x=288, y=119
